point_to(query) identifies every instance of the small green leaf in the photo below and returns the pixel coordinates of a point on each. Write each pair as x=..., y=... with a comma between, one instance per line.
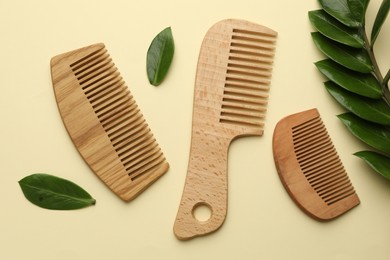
x=333, y=29
x=379, y=162
x=159, y=56
x=362, y=84
x=379, y=20
x=358, y=9
x=51, y=192
x=351, y=58
x=374, y=110
x=375, y=135
x=339, y=9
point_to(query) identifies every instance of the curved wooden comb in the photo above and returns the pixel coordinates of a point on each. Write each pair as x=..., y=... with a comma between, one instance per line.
x=309, y=167
x=230, y=99
x=104, y=122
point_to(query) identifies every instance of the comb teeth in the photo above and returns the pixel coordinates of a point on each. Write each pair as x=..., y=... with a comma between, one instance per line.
x=118, y=113
x=104, y=121
x=310, y=168
x=319, y=161
x=247, y=78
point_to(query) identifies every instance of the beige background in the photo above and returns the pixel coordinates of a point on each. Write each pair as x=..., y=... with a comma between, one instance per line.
x=262, y=221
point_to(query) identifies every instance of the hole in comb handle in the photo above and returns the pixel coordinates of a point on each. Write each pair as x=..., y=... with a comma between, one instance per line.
x=202, y=212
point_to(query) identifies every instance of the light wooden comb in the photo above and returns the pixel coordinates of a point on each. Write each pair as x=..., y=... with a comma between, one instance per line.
x=310, y=168
x=104, y=121
x=230, y=99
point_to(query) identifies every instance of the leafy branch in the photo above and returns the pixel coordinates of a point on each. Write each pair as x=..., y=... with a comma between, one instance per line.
x=355, y=79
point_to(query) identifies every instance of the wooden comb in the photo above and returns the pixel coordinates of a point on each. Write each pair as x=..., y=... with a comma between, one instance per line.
x=230, y=98
x=309, y=167
x=104, y=121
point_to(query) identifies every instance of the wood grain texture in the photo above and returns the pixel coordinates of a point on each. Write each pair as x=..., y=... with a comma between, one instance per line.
x=310, y=168
x=104, y=121
x=230, y=99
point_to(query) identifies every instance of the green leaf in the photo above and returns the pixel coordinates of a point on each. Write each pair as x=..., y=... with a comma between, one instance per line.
x=362, y=84
x=51, y=192
x=374, y=110
x=379, y=20
x=333, y=29
x=339, y=9
x=379, y=162
x=375, y=135
x=358, y=9
x=159, y=56
x=351, y=58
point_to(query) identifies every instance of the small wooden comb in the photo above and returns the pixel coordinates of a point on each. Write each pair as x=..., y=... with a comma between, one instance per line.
x=104, y=122
x=230, y=99
x=309, y=167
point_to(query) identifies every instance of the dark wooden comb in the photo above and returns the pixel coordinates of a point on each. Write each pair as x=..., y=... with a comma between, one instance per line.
x=310, y=168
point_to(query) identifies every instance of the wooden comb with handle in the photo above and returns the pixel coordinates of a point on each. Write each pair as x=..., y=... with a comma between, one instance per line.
x=104, y=121
x=310, y=168
x=230, y=99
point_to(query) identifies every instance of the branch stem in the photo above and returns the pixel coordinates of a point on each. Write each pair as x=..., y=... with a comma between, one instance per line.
x=387, y=78
x=376, y=71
